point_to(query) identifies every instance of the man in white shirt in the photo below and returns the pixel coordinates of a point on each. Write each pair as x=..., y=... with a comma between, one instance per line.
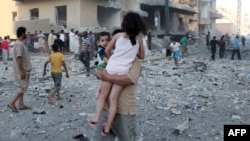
x=51, y=40
x=71, y=40
x=62, y=37
x=41, y=37
x=156, y=20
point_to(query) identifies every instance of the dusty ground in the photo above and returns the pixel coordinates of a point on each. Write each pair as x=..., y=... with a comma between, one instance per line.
x=204, y=99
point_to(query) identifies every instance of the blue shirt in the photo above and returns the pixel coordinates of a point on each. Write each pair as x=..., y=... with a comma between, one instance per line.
x=236, y=44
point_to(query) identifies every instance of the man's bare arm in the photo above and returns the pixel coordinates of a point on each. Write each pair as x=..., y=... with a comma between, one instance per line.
x=117, y=79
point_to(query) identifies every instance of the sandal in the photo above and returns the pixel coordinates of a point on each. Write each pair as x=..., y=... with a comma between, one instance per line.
x=13, y=108
x=104, y=133
x=25, y=108
x=93, y=124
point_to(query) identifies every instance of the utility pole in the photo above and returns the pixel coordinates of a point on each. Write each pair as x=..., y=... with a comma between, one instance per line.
x=167, y=15
x=238, y=17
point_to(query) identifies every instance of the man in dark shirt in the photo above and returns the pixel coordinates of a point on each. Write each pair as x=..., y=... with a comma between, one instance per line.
x=59, y=42
x=213, y=47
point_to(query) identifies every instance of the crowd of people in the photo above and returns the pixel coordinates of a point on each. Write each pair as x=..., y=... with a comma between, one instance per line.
x=233, y=42
x=174, y=49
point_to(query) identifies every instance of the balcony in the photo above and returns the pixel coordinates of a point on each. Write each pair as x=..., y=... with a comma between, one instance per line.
x=205, y=1
x=175, y=6
x=215, y=15
x=204, y=21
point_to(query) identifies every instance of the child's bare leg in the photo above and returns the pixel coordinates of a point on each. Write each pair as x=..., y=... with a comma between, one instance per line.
x=176, y=62
x=105, y=88
x=50, y=96
x=113, y=98
x=98, y=90
x=58, y=95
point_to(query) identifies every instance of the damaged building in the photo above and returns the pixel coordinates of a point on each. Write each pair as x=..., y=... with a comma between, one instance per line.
x=184, y=15
x=54, y=14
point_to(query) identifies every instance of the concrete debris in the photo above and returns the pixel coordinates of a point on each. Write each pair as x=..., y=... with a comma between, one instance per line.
x=236, y=117
x=182, y=127
x=199, y=89
x=175, y=111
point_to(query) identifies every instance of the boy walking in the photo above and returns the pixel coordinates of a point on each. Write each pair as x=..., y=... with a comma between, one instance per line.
x=175, y=46
x=57, y=60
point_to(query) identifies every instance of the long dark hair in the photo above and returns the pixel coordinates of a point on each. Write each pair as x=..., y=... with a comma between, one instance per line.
x=132, y=24
x=222, y=38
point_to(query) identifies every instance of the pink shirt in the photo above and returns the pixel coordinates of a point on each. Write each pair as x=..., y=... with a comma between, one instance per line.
x=5, y=45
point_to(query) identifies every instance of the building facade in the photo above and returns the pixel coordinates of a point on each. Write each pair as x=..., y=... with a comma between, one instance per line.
x=8, y=13
x=208, y=16
x=184, y=15
x=54, y=14
x=50, y=14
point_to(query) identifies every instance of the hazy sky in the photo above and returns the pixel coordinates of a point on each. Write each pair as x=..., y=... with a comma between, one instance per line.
x=233, y=4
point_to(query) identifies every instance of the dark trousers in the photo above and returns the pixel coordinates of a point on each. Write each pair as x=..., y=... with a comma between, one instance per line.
x=149, y=44
x=238, y=54
x=213, y=51
x=84, y=57
x=168, y=52
x=222, y=51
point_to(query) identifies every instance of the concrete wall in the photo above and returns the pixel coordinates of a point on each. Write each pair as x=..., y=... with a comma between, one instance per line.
x=36, y=25
x=96, y=13
x=47, y=11
x=6, y=27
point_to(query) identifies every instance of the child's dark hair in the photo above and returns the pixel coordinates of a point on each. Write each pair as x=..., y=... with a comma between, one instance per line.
x=104, y=33
x=132, y=24
x=55, y=47
x=116, y=31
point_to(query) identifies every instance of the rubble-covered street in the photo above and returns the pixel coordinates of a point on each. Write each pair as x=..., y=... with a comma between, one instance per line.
x=191, y=103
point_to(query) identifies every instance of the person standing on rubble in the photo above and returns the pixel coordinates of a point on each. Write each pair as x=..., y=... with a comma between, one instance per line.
x=5, y=50
x=71, y=40
x=213, y=45
x=22, y=68
x=222, y=45
x=57, y=60
x=184, y=42
x=236, y=48
x=208, y=40
x=166, y=41
x=149, y=39
x=84, y=56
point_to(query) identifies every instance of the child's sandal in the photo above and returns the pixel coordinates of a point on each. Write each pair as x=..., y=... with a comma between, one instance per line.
x=93, y=124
